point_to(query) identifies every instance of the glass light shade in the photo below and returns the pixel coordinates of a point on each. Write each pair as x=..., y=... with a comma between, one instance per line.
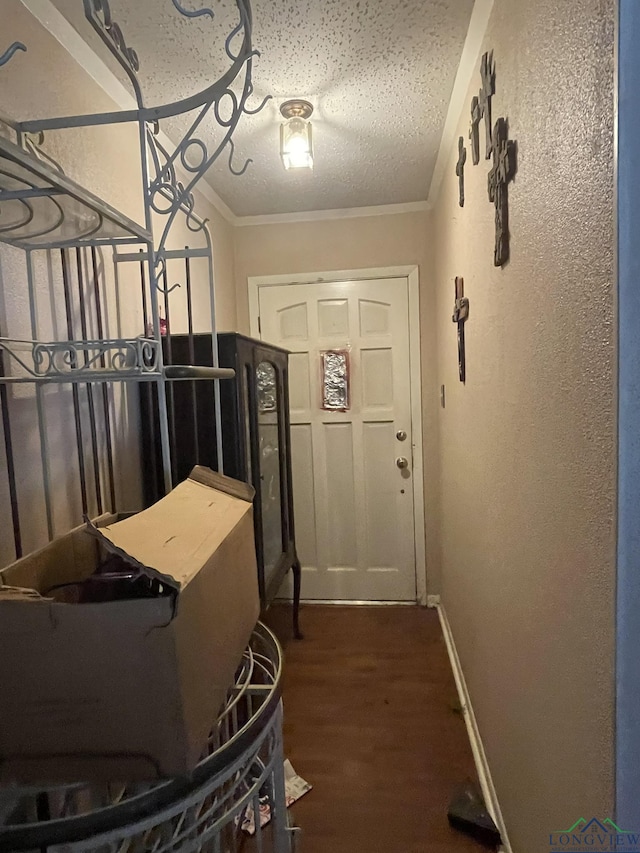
x=296, y=144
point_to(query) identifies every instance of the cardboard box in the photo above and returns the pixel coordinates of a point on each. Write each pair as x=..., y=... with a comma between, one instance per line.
x=128, y=690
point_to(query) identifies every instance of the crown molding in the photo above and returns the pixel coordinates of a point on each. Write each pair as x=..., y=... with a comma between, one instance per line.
x=335, y=213
x=70, y=39
x=468, y=66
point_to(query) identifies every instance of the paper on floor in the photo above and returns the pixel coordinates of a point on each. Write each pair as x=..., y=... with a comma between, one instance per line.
x=295, y=787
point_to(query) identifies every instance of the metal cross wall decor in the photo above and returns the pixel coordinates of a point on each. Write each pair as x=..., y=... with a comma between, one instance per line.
x=503, y=171
x=462, y=159
x=474, y=130
x=460, y=316
x=488, y=74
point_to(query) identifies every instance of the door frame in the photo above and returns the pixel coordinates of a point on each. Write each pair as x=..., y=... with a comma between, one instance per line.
x=410, y=274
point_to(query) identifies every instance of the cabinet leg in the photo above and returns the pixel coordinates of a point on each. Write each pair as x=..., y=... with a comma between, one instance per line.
x=297, y=578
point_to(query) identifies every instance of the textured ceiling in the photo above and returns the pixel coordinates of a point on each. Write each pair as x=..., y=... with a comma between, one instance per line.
x=379, y=73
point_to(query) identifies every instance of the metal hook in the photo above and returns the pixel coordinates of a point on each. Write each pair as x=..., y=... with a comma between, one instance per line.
x=188, y=13
x=199, y=225
x=191, y=216
x=229, y=39
x=10, y=51
x=161, y=271
x=258, y=109
x=189, y=203
x=231, y=169
x=167, y=290
x=162, y=268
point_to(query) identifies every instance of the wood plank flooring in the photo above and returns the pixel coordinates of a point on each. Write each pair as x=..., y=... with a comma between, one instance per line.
x=371, y=722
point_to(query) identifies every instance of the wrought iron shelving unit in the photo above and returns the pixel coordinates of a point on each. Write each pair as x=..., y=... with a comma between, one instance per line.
x=43, y=210
x=71, y=234
x=239, y=777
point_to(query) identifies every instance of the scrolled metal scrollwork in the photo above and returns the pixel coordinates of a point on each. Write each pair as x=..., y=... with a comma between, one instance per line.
x=61, y=360
x=124, y=355
x=168, y=192
x=147, y=354
x=184, y=155
x=98, y=13
x=165, y=196
x=120, y=359
x=228, y=102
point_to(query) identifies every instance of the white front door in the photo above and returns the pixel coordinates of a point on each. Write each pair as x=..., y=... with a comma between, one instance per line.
x=352, y=468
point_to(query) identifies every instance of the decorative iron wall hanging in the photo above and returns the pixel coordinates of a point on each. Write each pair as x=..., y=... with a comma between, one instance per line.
x=487, y=91
x=500, y=148
x=460, y=317
x=462, y=159
x=502, y=172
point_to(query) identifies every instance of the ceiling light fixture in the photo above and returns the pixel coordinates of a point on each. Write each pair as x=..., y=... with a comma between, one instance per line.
x=296, y=141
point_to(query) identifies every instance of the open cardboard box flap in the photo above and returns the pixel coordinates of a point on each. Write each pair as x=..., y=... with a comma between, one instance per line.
x=128, y=689
x=175, y=537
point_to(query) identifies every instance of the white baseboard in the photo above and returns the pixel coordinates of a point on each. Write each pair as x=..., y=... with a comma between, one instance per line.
x=479, y=756
x=433, y=601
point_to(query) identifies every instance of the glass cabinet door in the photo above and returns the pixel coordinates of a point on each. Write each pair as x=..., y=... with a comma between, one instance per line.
x=269, y=413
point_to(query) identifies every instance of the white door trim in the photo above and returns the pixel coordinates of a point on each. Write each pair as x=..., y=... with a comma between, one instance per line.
x=411, y=275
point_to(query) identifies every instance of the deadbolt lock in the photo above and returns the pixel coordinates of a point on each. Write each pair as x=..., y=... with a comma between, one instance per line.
x=401, y=435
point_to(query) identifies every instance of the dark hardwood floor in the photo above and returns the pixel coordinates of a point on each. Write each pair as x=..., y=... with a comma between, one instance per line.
x=371, y=722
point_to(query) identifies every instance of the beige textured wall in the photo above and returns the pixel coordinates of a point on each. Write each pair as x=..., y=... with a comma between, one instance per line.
x=223, y=265
x=358, y=243
x=528, y=450
x=329, y=244
x=44, y=82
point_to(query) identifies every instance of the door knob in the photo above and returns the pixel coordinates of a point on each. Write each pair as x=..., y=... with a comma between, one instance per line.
x=402, y=462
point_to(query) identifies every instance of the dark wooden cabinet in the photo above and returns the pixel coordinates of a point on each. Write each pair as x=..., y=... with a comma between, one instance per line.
x=256, y=441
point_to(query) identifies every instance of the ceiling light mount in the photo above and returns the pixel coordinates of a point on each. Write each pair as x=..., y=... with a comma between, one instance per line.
x=296, y=108
x=296, y=135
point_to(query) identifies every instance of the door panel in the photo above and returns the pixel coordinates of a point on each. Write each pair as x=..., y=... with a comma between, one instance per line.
x=342, y=545
x=353, y=504
x=303, y=493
